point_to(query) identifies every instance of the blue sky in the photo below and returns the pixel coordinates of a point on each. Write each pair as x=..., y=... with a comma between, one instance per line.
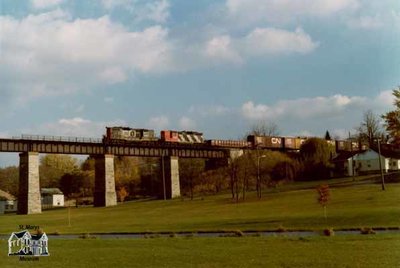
x=71, y=67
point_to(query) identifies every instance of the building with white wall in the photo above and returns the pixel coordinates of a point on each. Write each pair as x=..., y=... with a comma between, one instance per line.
x=8, y=202
x=52, y=197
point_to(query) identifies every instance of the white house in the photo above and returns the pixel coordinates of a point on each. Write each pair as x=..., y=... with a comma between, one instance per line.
x=52, y=197
x=368, y=161
x=19, y=243
x=39, y=245
x=345, y=164
x=23, y=243
x=8, y=202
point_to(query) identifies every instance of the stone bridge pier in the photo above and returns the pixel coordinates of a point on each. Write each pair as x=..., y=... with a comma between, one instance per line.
x=29, y=200
x=170, y=176
x=104, y=183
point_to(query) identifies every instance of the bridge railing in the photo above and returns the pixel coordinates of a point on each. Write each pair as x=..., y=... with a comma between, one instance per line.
x=58, y=138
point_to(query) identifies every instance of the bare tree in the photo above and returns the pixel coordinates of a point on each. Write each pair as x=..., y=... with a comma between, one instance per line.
x=264, y=128
x=370, y=128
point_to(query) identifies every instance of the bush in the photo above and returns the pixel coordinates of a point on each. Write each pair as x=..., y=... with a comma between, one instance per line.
x=87, y=236
x=329, y=232
x=281, y=229
x=367, y=230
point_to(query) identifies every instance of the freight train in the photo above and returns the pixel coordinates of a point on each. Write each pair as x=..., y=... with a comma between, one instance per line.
x=126, y=135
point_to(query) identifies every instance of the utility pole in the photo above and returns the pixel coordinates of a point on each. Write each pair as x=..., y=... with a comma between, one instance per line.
x=380, y=166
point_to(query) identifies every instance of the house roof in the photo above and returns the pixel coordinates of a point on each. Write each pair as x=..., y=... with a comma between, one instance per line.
x=50, y=191
x=6, y=196
x=39, y=236
x=345, y=155
x=21, y=234
x=387, y=151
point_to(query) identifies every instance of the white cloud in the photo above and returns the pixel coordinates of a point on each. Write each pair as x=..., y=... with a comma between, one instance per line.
x=385, y=98
x=158, y=122
x=251, y=11
x=110, y=4
x=113, y=75
x=43, y=4
x=186, y=123
x=155, y=10
x=50, y=53
x=220, y=48
x=263, y=41
x=366, y=22
x=259, y=42
x=73, y=127
x=303, y=108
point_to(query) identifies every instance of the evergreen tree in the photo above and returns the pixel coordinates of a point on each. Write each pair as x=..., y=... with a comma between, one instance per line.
x=327, y=136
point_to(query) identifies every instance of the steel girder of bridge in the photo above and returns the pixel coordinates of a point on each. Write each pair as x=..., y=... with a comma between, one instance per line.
x=147, y=149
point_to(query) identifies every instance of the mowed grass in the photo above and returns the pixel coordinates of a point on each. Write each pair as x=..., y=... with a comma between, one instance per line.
x=349, y=251
x=350, y=207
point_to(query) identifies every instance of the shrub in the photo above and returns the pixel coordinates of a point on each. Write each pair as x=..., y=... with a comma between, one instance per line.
x=367, y=230
x=281, y=229
x=87, y=236
x=329, y=232
x=172, y=235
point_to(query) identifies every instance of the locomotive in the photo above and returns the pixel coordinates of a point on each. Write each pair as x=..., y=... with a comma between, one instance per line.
x=181, y=136
x=121, y=134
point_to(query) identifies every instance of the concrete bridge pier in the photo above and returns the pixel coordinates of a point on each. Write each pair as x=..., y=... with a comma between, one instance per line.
x=104, y=185
x=170, y=176
x=29, y=200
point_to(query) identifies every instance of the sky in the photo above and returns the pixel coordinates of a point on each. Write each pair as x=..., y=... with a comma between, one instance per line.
x=72, y=67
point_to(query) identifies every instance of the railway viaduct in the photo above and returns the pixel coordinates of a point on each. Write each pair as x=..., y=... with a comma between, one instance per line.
x=29, y=148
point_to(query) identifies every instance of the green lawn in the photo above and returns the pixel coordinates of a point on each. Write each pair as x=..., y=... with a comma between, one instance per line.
x=350, y=207
x=349, y=251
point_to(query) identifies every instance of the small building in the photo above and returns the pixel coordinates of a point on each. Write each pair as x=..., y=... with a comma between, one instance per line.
x=23, y=243
x=19, y=243
x=345, y=164
x=52, y=197
x=39, y=245
x=367, y=161
x=8, y=202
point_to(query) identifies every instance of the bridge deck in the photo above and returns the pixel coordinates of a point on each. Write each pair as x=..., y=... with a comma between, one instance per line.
x=66, y=145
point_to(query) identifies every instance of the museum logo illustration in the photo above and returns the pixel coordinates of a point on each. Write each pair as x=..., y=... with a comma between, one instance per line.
x=25, y=244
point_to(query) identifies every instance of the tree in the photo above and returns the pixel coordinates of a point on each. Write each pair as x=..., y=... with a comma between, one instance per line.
x=316, y=155
x=9, y=178
x=53, y=167
x=327, y=136
x=127, y=174
x=122, y=194
x=392, y=119
x=323, y=197
x=72, y=183
x=190, y=171
x=370, y=128
x=263, y=128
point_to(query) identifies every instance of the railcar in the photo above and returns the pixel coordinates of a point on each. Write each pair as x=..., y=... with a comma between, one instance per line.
x=349, y=146
x=266, y=141
x=129, y=134
x=229, y=143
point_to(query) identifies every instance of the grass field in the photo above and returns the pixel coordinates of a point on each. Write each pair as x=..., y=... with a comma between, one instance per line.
x=350, y=207
x=350, y=251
